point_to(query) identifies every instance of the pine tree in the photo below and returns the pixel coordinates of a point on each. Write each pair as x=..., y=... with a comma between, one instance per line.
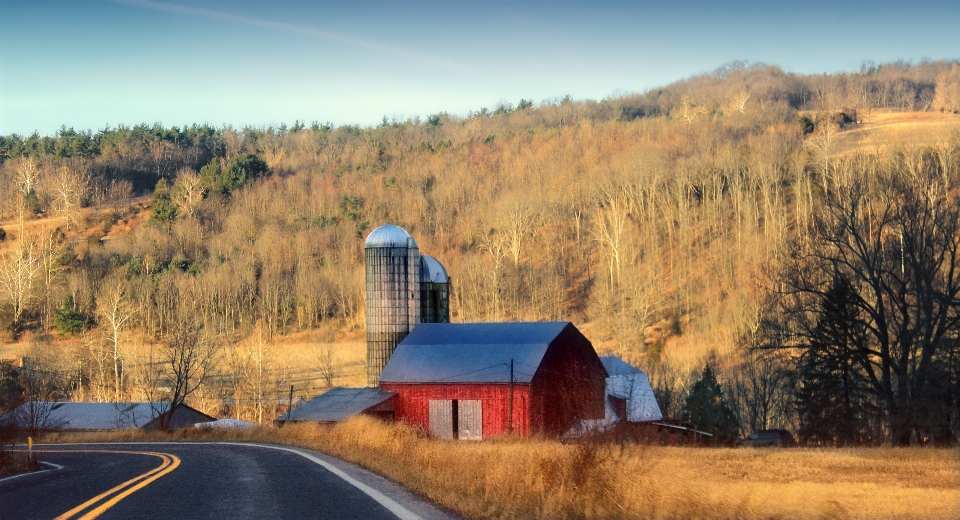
x=163, y=208
x=67, y=319
x=706, y=409
x=833, y=398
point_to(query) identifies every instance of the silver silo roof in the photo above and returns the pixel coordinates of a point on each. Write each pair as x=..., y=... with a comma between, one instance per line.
x=389, y=235
x=432, y=270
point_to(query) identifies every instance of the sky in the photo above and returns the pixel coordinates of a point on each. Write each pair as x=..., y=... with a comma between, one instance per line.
x=93, y=64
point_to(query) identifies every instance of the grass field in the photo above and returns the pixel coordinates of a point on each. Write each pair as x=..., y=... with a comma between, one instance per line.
x=512, y=478
x=882, y=128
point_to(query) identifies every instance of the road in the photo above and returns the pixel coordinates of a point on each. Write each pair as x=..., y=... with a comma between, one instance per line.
x=203, y=480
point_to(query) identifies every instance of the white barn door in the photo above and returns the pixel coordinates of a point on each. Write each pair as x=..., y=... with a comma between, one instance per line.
x=441, y=418
x=470, y=420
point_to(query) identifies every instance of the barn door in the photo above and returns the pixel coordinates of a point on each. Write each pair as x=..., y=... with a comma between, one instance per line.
x=469, y=420
x=441, y=418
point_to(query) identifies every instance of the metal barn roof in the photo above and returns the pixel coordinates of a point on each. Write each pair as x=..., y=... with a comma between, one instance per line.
x=86, y=416
x=389, y=235
x=471, y=352
x=338, y=404
x=618, y=367
x=630, y=383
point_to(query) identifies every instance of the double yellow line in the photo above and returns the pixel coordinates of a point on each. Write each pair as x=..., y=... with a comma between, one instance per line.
x=110, y=497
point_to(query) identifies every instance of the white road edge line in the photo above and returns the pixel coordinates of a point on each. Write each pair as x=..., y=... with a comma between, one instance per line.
x=56, y=467
x=392, y=505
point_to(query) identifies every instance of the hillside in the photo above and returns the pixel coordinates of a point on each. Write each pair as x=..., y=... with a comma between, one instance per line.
x=652, y=221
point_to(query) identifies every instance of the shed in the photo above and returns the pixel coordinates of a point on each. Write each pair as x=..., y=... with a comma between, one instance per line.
x=479, y=380
x=70, y=416
x=338, y=404
x=629, y=393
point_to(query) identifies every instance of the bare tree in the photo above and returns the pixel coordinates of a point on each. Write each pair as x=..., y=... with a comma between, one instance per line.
x=27, y=175
x=690, y=111
x=609, y=225
x=495, y=244
x=70, y=186
x=19, y=269
x=947, y=93
x=43, y=386
x=824, y=139
x=259, y=368
x=521, y=224
x=894, y=239
x=188, y=354
x=762, y=390
x=324, y=363
x=116, y=310
x=737, y=103
x=188, y=192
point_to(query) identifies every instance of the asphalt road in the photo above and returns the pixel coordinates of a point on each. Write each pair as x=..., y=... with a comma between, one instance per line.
x=203, y=480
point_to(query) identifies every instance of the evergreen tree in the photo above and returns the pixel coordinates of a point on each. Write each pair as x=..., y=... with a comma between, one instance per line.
x=706, y=409
x=67, y=319
x=238, y=171
x=163, y=208
x=833, y=398
x=241, y=169
x=210, y=176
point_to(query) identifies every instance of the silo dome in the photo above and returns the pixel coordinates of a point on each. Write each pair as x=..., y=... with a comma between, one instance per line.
x=431, y=270
x=389, y=235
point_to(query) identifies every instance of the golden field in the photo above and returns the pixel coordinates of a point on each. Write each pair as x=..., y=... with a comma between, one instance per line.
x=512, y=478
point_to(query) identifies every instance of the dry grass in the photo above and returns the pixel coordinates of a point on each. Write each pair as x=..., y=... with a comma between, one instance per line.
x=12, y=463
x=510, y=478
x=888, y=127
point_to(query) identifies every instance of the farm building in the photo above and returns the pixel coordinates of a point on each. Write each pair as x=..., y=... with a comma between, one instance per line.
x=467, y=380
x=340, y=403
x=629, y=394
x=478, y=380
x=629, y=402
x=38, y=415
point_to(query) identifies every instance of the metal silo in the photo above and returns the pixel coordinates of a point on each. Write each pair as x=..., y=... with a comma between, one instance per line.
x=393, y=293
x=434, y=291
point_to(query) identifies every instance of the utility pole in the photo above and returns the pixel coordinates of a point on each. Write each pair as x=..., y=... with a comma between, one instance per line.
x=510, y=408
x=290, y=403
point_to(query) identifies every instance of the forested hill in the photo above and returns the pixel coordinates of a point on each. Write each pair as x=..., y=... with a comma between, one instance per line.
x=651, y=220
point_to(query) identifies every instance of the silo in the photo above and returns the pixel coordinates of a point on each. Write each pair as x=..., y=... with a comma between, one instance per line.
x=393, y=293
x=434, y=291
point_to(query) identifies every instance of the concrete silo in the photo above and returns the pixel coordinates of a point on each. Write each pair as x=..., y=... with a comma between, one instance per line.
x=393, y=293
x=434, y=291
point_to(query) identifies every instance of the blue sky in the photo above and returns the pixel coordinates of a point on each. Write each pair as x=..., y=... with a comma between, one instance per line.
x=93, y=63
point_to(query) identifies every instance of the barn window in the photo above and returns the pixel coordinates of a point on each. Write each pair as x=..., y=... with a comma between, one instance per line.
x=456, y=419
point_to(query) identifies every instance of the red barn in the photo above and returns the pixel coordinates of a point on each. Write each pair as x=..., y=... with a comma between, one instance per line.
x=478, y=380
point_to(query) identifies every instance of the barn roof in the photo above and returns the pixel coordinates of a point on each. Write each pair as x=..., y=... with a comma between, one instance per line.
x=471, y=352
x=338, y=404
x=628, y=382
x=86, y=416
x=618, y=367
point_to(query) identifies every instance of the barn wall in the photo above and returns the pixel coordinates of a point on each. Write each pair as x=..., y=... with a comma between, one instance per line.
x=412, y=404
x=569, y=385
x=183, y=417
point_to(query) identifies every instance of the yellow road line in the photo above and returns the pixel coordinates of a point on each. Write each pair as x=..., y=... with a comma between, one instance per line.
x=170, y=463
x=113, y=501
